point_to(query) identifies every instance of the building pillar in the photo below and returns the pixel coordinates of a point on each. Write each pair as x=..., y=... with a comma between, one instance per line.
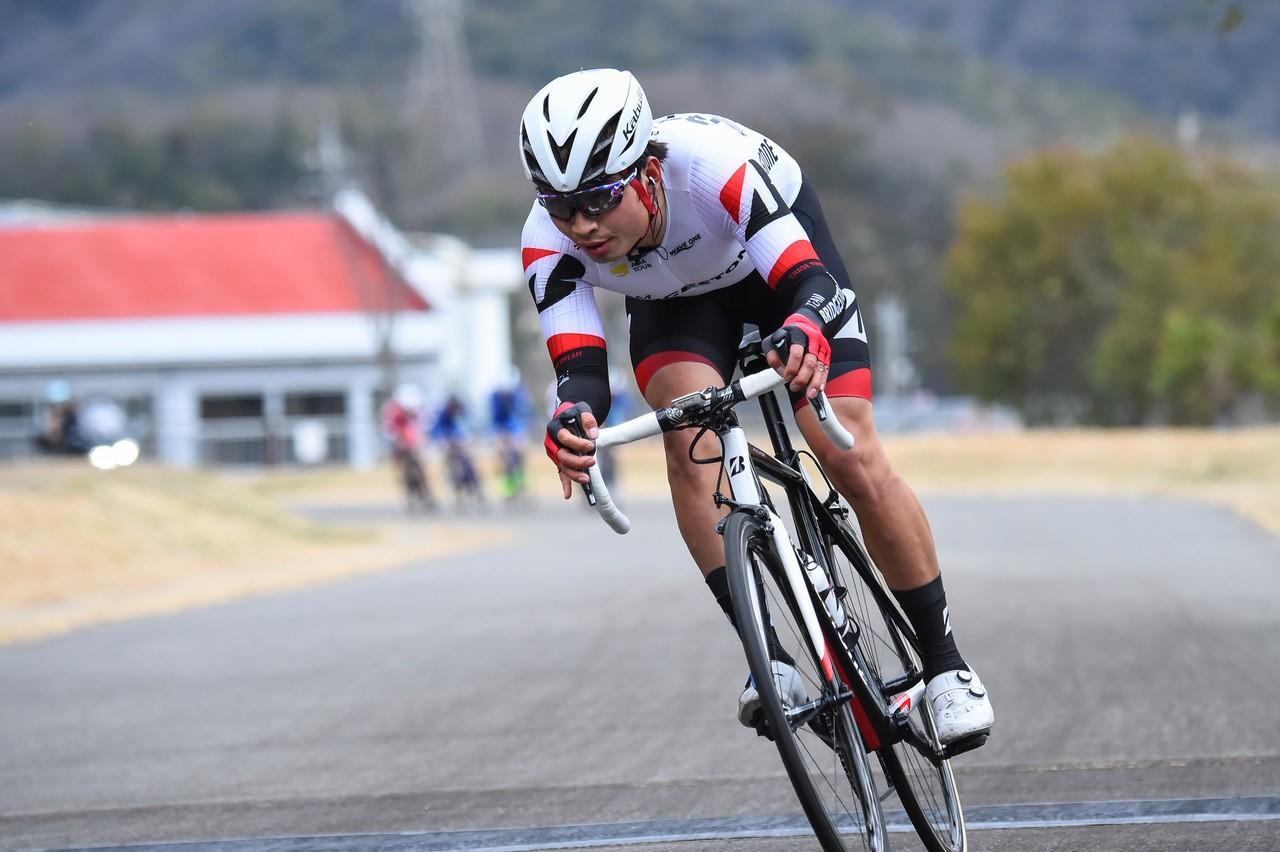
x=362, y=425
x=177, y=423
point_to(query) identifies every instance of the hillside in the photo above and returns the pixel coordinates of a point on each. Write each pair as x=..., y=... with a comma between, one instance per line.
x=892, y=108
x=1210, y=55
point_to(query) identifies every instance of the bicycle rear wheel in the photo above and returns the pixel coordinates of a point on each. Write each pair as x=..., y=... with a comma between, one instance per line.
x=889, y=651
x=820, y=746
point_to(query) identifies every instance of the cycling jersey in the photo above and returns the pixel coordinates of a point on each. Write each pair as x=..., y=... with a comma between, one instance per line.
x=401, y=426
x=728, y=222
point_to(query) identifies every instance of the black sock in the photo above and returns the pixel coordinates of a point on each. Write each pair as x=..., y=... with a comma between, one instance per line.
x=718, y=583
x=926, y=609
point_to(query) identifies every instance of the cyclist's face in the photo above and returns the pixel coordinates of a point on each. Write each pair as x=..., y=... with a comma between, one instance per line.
x=609, y=236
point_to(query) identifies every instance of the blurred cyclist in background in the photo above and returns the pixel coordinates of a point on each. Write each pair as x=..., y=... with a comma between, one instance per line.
x=509, y=416
x=451, y=428
x=401, y=426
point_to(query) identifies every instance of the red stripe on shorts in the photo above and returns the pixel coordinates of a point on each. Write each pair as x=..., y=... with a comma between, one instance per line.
x=853, y=383
x=655, y=362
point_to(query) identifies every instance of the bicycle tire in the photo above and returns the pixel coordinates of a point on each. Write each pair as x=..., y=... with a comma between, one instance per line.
x=889, y=654
x=758, y=599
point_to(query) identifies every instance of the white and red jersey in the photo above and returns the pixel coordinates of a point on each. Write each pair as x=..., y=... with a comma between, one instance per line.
x=728, y=193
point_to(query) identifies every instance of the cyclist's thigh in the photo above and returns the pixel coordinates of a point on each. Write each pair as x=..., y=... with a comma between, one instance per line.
x=850, y=374
x=682, y=345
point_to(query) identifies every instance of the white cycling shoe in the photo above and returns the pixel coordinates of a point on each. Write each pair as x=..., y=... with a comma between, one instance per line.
x=790, y=687
x=961, y=709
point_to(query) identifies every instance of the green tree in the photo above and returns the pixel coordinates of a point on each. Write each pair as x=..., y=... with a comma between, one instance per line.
x=1132, y=285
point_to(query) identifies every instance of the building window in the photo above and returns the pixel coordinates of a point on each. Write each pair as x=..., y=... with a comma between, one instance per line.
x=229, y=407
x=315, y=404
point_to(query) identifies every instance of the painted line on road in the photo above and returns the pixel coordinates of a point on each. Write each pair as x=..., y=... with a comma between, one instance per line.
x=1052, y=815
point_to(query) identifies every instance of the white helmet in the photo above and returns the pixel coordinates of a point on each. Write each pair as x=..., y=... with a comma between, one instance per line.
x=408, y=396
x=582, y=126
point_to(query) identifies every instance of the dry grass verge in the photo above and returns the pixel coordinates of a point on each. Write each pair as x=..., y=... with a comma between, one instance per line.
x=1239, y=468
x=79, y=546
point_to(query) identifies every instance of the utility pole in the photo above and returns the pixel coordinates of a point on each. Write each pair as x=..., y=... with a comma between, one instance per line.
x=896, y=372
x=442, y=95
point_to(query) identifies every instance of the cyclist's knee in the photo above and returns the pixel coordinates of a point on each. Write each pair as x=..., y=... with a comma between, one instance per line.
x=863, y=473
x=682, y=472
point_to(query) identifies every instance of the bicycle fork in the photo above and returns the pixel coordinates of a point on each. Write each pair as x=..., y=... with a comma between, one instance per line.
x=747, y=493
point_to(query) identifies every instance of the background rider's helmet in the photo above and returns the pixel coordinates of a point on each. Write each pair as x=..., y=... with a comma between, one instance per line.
x=583, y=126
x=408, y=397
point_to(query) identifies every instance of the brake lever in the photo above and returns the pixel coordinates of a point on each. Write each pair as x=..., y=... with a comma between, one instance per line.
x=574, y=424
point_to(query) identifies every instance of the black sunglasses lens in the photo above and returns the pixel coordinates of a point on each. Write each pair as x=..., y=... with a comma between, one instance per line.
x=558, y=206
x=594, y=202
x=589, y=202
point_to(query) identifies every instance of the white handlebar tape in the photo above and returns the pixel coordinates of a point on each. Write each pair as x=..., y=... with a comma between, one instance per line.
x=604, y=503
x=766, y=380
x=647, y=425
x=644, y=426
x=758, y=383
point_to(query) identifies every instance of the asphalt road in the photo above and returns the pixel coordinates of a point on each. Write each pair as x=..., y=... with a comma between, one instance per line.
x=580, y=678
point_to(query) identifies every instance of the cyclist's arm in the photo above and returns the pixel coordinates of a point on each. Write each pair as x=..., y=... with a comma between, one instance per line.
x=570, y=320
x=738, y=195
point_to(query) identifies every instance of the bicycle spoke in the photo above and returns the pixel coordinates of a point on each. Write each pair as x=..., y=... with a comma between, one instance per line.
x=821, y=765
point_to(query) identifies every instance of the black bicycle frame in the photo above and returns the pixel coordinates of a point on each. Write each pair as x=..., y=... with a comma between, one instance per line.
x=814, y=520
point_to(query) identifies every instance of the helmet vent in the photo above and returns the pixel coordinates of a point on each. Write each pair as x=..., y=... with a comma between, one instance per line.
x=562, y=151
x=529, y=157
x=599, y=156
x=588, y=101
x=546, y=107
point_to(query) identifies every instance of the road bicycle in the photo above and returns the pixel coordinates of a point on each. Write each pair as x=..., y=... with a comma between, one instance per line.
x=809, y=590
x=413, y=478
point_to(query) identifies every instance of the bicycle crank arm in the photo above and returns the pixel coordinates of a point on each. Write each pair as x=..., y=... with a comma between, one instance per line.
x=801, y=715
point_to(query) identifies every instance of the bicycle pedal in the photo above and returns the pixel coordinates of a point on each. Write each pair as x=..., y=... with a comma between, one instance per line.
x=761, y=725
x=970, y=743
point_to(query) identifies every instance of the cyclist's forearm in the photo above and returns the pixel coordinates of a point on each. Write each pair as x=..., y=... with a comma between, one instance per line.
x=817, y=297
x=584, y=377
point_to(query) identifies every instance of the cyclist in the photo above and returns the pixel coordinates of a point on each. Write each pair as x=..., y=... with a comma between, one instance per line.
x=508, y=416
x=705, y=225
x=450, y=427
x=401, y=426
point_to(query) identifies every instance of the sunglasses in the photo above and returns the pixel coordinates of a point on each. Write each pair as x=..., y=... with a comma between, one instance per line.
x=592, y=202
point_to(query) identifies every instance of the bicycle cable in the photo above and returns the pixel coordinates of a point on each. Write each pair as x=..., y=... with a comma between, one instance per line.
x=833, y=494
x=694, y=443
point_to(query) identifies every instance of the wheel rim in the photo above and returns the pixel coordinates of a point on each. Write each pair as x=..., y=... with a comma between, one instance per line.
x=826, y=767
x=931, y=792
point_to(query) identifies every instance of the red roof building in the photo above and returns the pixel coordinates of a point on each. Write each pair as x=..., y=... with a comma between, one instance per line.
x=195, y=266
x=221, y=333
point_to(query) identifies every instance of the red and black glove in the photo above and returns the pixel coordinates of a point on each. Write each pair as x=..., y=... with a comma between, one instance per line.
x=567, y=414
x=799, y=329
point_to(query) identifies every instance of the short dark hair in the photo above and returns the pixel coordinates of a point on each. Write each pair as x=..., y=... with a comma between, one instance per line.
x=655, y=149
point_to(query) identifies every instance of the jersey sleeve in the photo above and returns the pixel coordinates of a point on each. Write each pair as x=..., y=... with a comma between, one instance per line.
x=734, y=190
x=566, y=305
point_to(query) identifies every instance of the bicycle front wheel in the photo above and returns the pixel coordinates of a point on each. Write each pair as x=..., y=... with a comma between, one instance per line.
x=817, y=739
x=888, y=647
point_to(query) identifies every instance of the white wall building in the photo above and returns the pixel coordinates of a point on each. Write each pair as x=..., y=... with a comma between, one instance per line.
x=222, y=336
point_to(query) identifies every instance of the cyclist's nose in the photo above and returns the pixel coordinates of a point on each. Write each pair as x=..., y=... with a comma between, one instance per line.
x=582, y=226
